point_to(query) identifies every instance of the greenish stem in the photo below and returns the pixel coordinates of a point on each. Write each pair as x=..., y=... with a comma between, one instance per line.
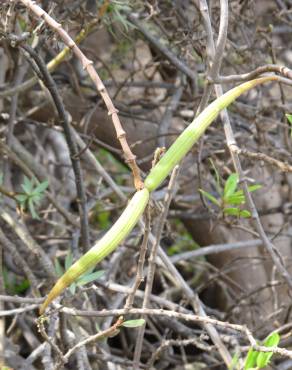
x=102, y=248
x=129, y=218
x=194, y=131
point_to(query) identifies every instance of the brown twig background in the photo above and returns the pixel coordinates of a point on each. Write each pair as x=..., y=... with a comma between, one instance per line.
x=208, y=285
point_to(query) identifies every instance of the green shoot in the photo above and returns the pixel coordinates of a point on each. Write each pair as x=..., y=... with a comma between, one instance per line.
x=133, y=323
x=230, y=199
x=32, y=195
x=259, y=360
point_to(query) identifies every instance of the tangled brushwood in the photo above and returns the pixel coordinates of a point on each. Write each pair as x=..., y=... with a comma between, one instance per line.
x=145, y=185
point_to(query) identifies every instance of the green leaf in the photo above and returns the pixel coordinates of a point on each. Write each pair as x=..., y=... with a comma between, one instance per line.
x=252, y=188
x=231, y=211
x=32, y=209
x=133, y=323
x=264, y=357
x=68, y=260
x=36, y=197
x=210, y=197
x=22, y=198
x=88, y=278
x=235, y=199
x=289, y=117
x=41, y=187
x=230, y=185
x=245, y=213
x=251, y=359
x=272, y=340
x=27, y=185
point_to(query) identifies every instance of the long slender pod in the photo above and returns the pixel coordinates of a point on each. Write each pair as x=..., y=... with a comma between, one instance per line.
x=107, y=244
x=194, y=131
x=124, y=225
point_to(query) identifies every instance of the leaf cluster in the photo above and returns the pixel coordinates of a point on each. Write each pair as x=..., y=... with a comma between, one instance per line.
x=258, y=360
x=230, y=197
x=32, y=195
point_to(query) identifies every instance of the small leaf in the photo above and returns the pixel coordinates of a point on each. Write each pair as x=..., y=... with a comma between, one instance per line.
x=27, y=185
x=68, y=260
x=272, y=340
x=252, y=188
x=36, y=197
x=32, y=209
x=210, y=197
x=289, y=117
x=264, y=357
x=41, y=187
x=235, y=199
x=22, y=198
x=251, y=359
x=231, y=211
x=88, y=278
x=133, y=323
x=245, y=213
x=230, y=185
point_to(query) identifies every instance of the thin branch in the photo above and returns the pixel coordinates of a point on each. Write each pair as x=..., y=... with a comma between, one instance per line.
x=214, y=249
x=167, y=116
x=152, y=265
x=181, y=316
x=178, y=343
x=20, y=300
x=284, y=71
x=154, y=40
x=57, y=60
x=282, y=166
x=51, y=86
x=93, y=338
x=17, y=311
x=143, y=249
x=29, y=242
x=88, y=66
x=24, y=160
x=231, y=142
x=20, y=262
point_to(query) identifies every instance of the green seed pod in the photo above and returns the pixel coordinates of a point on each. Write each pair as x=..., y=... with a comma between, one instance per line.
x=107, y=244
x=194, y=131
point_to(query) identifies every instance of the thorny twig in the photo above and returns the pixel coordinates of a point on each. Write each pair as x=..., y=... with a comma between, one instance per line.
x=187, y=317
x=88, y=66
